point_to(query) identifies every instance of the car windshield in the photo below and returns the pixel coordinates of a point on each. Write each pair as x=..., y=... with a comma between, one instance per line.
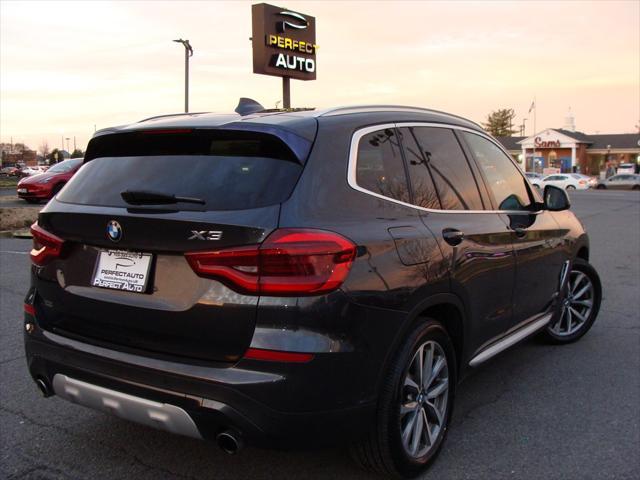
x=65, y=166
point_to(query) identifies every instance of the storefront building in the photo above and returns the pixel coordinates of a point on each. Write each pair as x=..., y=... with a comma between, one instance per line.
x=556, y=150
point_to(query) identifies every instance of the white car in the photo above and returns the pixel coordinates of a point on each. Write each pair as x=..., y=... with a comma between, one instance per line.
x=567, y=181
x=30, y=171
x=626, y=168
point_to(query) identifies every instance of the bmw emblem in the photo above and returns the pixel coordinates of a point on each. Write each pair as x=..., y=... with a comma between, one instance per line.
x=114, y=231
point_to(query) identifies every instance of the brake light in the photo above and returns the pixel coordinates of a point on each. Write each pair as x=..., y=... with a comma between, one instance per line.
x=582, y=182
x=166, y=131
x=46, y=246
x=289, y=262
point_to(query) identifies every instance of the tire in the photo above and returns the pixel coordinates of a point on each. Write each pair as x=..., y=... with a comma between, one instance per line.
x=570, y=187
x=383, y=449
x=576, y=316
x=601, y=187
x=636, y=187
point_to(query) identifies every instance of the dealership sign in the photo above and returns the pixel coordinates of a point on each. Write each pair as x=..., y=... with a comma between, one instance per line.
x=284, y=42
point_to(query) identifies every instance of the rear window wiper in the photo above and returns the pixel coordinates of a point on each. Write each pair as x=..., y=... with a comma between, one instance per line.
x=144, y=197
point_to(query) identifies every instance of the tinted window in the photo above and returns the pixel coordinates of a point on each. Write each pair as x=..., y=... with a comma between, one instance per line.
x=504, y=179
x=380, y=167
x=227, y=173
x=424, y=191
x=449, y=168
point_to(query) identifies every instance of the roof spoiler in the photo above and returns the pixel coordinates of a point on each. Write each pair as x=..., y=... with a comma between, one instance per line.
x=247, y=106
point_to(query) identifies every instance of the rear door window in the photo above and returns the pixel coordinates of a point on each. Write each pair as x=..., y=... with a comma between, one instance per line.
x=228, y=170
x=379, y=167
x=448, y=167
x=422, y=186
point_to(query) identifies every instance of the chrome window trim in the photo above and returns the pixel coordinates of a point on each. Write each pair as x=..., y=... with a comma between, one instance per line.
x=353, y=162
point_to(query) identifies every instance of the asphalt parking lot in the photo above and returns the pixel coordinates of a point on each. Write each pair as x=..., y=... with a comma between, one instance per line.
x=535, y=412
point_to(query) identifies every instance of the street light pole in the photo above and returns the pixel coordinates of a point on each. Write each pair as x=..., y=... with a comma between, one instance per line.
x=188, y=52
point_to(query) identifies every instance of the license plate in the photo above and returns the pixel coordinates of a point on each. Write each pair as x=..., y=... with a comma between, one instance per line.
x=22, y=190
x=122, y=270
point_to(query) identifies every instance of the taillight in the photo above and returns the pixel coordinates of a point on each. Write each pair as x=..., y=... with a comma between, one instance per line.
x=46, y=246
x=29, y=309
x=582, y=182
x=289, y=262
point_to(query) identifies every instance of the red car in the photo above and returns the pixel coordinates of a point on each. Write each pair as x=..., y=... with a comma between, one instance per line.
x=46, y=185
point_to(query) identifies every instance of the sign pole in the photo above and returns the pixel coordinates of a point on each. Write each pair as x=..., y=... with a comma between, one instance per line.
x=286, y=93
x=186, y=80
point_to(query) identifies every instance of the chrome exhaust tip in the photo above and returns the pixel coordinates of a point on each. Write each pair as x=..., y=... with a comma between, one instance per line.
x=230, y=442
x=44, y=388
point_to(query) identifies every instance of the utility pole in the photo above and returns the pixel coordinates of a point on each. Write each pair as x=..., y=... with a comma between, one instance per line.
x=188, y=52
x=68, y=144
x=74, y=143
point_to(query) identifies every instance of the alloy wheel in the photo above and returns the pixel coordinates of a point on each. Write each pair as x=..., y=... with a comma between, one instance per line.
x=577, y=305
x=423, y=400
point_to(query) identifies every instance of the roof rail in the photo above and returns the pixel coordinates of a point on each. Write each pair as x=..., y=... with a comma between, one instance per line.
x=366, y=108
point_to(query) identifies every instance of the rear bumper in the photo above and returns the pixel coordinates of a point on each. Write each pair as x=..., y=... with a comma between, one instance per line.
x=215, y=398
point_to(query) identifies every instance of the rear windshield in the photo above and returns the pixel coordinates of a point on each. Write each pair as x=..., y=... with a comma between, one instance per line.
x=227, y=170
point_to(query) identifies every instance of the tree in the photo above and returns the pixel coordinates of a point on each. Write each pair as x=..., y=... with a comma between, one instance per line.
x=500, y=122
x=77, y=153
x=55, y=156
x=44, y=148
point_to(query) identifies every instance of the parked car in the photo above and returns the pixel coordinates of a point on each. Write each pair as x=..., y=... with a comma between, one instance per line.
x=44, y=186
x=30, y=171
x=591, y=181
x=10, y=171
x=566, y=181
x=621, y=182
x=626, y=168
x=299, y=278
x=534, y=177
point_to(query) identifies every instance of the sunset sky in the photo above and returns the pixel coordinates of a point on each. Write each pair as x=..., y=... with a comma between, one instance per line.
x=67, y=66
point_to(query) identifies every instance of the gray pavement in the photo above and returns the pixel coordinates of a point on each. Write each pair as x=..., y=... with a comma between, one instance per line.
x=535, y=412
x=9, y=199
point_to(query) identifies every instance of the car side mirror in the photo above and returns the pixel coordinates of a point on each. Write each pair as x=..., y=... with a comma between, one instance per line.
x=556, y=199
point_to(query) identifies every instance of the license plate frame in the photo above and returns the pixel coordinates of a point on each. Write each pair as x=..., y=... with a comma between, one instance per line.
x=122, y=270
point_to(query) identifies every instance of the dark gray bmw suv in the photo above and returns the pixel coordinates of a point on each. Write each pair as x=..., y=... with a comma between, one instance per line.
x=301, y=277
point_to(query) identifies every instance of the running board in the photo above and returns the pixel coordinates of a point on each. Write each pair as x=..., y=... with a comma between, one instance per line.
x=510, y=340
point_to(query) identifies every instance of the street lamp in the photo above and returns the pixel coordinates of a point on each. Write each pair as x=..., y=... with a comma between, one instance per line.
x=67, y=139
x=188, y=52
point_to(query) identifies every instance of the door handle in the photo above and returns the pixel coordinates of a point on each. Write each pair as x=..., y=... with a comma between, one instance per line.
x=452, y=236
x=520, y=232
